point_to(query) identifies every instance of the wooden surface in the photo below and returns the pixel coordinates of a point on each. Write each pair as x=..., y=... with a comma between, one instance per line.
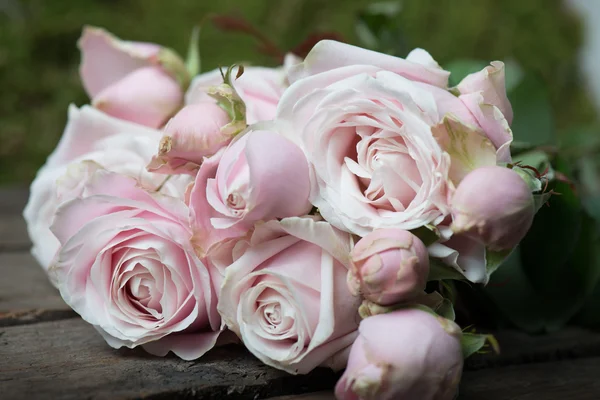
x=48, y=352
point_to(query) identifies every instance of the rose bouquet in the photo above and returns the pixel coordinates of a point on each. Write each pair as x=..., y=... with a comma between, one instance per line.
x=315, y=212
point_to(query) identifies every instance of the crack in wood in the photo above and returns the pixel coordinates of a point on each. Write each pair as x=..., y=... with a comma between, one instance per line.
x=34, y=316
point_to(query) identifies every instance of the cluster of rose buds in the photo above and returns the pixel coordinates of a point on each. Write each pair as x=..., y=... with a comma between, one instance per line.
x=304, y=208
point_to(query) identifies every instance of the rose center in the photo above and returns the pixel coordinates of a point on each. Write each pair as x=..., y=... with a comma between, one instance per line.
x=272, y=314
x=236, y=202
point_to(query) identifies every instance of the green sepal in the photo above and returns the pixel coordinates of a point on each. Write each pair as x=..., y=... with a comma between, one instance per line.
x=427, y=234
x=193, y=62
x=472, y=343
x=174, y=66
x=229, y=100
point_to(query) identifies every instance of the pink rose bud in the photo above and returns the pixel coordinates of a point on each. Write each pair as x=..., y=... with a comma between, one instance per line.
x=493, y=205
x=195, y=132
x=146, y=96
x=134, y=81
x=406, y=354
x=389, y=266
x=260, y=176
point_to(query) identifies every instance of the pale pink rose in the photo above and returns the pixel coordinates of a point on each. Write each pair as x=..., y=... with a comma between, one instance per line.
x=129, y=80
x=405, y=354
x=389, y=266
x=259, y=87
x=90, y=135
x=386, y=143
x=195, y=132
x=259, y=177
x=286, y=295
x=127, y=267
x=484, y=94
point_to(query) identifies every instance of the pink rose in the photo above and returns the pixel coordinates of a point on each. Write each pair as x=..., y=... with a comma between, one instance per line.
x=127, y=267
x=259, y=87
x=286, y=295
x=90, y=135
x=130, y=80
x=195, y=132
x=387, y=143
x=259, y=177
x=389, y=266
x=405, y=354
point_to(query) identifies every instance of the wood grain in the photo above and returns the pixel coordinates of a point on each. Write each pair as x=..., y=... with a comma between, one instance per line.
x=26, y=295
x=568, y=379
x=68, y=360
x=64, y=359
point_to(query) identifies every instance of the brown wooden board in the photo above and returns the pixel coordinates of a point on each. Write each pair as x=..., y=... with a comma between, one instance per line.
x=68, y=360
x=26, y=295
x=563, y=380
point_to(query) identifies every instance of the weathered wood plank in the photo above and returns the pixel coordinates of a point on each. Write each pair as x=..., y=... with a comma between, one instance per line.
x=13, y=233
x=26, y=295
x=71, y=360
x=568, y=379
x=520, y=348
x=326, y=395
x=68, y=360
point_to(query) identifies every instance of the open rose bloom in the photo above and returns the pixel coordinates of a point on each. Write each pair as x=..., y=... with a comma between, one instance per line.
x=283, y=205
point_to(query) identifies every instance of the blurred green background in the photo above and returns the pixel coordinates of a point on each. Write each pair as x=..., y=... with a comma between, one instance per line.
x=39, y=58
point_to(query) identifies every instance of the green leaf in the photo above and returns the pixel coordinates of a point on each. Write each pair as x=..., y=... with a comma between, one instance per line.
x=577, y=281
x=461, y=68
x=494, y=259
x=556, y=229
x=533, y=120
x=514, y=296
x=446, y=309
x=472, y=343
x=588, y=315
x=439, y=271
x=426, y=235
x=193, y=61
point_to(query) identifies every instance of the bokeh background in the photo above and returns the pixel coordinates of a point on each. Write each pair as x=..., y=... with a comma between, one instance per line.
x=39, y=57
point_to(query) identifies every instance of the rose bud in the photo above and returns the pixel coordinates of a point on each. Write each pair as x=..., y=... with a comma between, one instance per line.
x=406, y=354
x=493, y=205
x=134, y=81
x=146, y=96
x=193, y=133
x=260, y=176
x=389, y=266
